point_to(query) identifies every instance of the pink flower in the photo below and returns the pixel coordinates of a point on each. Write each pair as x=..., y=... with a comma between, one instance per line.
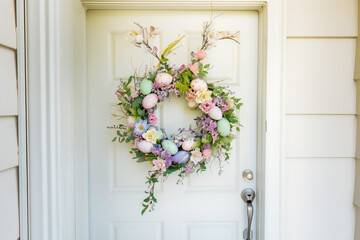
x=206, y=106
x=190, y=96
x=152, y=119
x=118, y=94
x=200, y=55
x=159, y=164
x=207, y=153
x=194, y=68
x=182, y=68
x=188, y=167
x=224, y=108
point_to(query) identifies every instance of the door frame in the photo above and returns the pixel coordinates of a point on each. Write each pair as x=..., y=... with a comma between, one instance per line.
x=56, y=112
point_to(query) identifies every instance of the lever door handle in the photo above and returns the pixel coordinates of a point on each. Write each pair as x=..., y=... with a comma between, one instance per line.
x=248, y=195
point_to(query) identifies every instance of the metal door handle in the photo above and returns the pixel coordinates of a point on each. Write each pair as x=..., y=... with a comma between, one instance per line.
x=248, y=195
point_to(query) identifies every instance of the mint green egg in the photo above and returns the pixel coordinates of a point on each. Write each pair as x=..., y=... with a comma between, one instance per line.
x=146, y=86
x=169, y=146
x=223, y=127
x=159, y=133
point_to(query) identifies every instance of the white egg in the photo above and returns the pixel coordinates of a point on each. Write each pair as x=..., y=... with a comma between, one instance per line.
x=149, y=101
x=145, y=146
x=215, y=113
x=198, y=84
x=192, y=104
x=187, y=144
x=163, y=79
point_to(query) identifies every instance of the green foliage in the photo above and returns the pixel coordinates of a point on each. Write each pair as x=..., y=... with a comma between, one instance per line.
x=184, y=79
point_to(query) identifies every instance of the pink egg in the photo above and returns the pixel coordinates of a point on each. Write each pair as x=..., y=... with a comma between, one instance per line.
x=198, y=84
x=145, y=146
x=163, y=79
x=215, y=113
x=187, y=144
x=150, y=101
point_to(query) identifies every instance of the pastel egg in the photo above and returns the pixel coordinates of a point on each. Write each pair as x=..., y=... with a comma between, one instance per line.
x=198, y=84
x=146, y=86
x=181, y=157
x=223, y=127
x=192, y=104
x=159, y=133
x=169, y=146
x=163, y=79
x=149, y=101
x=215, y=113
x=145, y=146
x=187, y=144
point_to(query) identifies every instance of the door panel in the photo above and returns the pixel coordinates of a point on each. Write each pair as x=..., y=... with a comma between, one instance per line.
x=207, y=206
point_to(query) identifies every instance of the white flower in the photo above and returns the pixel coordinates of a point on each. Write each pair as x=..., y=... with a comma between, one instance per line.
x=150, y=136
x=158, y=164
x=131, y=120
x=196, y=156
x=139, y=38
x=202, y=96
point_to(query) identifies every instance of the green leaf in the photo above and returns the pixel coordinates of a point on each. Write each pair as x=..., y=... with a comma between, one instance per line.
x=144, y=210
x=114, y=139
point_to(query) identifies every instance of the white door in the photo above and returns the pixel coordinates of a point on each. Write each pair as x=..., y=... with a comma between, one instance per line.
x=207, y=206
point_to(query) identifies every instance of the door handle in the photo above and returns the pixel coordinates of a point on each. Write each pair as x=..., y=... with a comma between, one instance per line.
x=248, y=195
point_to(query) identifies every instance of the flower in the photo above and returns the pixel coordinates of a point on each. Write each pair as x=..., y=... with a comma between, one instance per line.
x=152, y=119
x=190, y=96
x=188, y=167
x=182, y=68
x=231, y=103
x=206, y=146
x=131, y=120
x=141, y=126
x=139, y=38
x=207, y=153
x=150, y=136
x=202, y=96
x=200, y=54
x=206, y=106
x=194, y=68
x=196, y=156
x=159, y=164
x=134, y=93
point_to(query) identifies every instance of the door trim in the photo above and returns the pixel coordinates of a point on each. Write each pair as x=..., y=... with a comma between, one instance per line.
x=58, y=177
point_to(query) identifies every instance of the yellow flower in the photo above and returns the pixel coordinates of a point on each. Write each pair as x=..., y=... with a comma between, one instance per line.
x=150, y=136
x=202, y=96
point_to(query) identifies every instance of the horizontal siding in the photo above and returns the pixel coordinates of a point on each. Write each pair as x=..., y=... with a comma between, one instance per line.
x=7, y=23
x=318, y=200
x=9, y=204
x=321, y=17
x=320, y=136
x=8, y=84
x=8, y=143
x=320, y=76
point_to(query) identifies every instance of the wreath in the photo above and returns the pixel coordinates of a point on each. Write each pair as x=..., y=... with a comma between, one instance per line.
x=192, y=149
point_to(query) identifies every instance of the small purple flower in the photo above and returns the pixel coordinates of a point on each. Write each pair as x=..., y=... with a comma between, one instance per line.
x=206, y=146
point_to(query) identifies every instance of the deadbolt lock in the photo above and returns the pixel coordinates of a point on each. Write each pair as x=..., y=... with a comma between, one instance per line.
x=248, y=175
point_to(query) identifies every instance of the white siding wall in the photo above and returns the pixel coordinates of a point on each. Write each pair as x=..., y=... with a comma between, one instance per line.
x=9, y=205
x=357, y=179
x=320, y=120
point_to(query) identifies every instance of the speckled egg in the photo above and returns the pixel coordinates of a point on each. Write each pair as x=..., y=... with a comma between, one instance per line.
x=169, y=146
x=187, y=144
x=192, y=104
x=198, y=84
x=163, y=79
x=160, y=134
x=181, y=157
x=223, y=127
x=215, y=113
x=145, y=146
x=150, y=101
x=146, y=86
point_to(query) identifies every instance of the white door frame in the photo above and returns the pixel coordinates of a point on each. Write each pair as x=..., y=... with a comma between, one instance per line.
x=56, y=113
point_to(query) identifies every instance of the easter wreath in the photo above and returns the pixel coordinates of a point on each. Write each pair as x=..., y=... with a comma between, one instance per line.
x=190, y=150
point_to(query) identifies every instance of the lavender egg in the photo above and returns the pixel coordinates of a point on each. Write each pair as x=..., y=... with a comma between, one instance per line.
x=145, y=146
x=181, y=157
x=149, y=101
x=163, y=79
